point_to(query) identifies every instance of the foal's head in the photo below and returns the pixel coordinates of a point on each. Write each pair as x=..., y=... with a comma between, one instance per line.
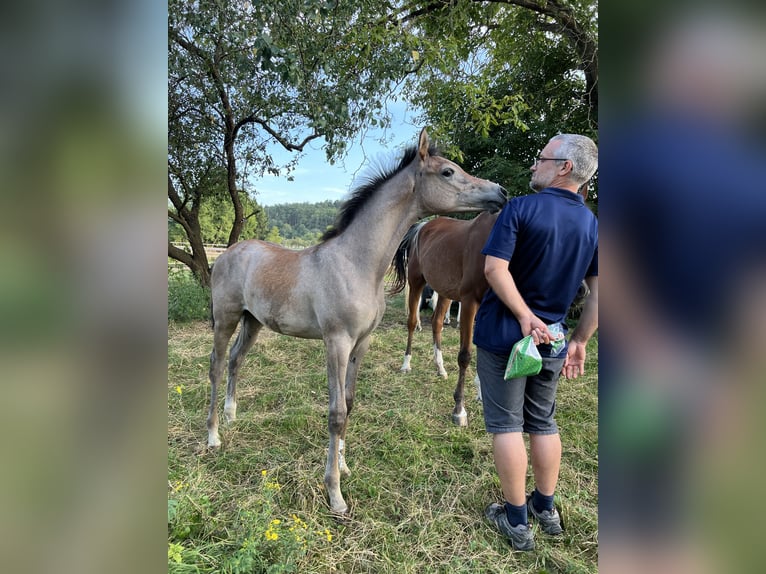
x=441, y=186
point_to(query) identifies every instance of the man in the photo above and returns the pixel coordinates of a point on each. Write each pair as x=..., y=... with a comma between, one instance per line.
x=541, y=248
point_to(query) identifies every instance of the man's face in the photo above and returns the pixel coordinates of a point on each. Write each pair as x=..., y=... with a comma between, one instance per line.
x=544, y=170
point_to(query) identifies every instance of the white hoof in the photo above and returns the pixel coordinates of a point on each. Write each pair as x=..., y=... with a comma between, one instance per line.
x=460, y=419
x=213, y=441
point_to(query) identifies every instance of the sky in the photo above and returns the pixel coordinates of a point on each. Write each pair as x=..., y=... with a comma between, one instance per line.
x=314, y=179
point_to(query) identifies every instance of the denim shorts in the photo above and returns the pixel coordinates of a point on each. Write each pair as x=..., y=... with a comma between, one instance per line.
x=526, y=404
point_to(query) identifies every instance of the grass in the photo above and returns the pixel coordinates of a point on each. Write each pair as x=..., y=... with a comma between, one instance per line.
x=418, y=485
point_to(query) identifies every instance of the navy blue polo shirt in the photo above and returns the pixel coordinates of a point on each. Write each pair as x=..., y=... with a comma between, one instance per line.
x=550, y=239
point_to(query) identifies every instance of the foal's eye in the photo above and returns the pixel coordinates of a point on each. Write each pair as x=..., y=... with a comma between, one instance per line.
x=447, y=172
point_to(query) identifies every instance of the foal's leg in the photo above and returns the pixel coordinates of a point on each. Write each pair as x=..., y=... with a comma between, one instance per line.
x=354, y=364
x=338, y=352
x=468, y=312
x=248, y=333
x=437, y=324
x=416, y=285
x=222, y=332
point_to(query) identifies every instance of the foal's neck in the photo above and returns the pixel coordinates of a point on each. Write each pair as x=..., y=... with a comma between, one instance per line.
x=374, y=235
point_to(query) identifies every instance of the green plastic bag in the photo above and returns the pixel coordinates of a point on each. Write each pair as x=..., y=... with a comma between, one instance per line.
x=525, y=360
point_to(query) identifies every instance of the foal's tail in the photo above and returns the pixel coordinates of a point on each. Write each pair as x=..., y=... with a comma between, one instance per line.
x=401, y=258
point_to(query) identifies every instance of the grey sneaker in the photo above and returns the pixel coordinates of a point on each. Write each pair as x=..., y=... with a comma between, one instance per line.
x=549, y=520
x=519, y=535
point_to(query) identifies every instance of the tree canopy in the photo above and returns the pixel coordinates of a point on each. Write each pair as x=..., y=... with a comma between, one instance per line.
x=495, y=78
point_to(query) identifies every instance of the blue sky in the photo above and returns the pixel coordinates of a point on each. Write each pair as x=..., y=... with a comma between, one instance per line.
x=314, y=179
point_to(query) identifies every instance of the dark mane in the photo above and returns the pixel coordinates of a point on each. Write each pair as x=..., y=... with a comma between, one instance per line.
x=352, y=206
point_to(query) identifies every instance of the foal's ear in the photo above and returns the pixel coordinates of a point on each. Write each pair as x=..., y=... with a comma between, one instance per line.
x=423, y=145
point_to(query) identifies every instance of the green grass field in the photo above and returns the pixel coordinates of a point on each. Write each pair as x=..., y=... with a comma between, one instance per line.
x=418, y=485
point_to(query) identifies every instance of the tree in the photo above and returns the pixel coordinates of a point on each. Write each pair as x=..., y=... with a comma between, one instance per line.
x=244, y=75
x=508, y=76
x=502, y=76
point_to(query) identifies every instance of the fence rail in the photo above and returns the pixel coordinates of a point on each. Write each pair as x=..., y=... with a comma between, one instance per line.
x=213, y=250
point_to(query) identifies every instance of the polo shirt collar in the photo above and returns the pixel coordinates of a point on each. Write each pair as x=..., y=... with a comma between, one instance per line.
x=565, y=193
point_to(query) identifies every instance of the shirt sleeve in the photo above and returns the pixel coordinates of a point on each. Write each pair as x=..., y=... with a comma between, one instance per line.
x=502, y=239
x=593, y=267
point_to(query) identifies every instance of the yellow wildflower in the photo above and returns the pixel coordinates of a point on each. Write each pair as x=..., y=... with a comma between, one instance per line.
x=179, y=389
x=263, y=472
x=179, y=484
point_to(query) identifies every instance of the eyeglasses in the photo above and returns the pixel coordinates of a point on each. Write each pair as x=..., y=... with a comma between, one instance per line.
x=539, y=159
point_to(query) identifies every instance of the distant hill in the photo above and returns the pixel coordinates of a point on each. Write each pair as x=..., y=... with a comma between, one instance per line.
x=298, y=220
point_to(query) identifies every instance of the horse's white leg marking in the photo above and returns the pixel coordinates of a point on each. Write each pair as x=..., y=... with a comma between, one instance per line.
x=459, y=308
x=477, y=382
x=230, y=409
x=460, y=419
x=213, y=440
x=344, y=470
x=439, y=360
x=406, y=364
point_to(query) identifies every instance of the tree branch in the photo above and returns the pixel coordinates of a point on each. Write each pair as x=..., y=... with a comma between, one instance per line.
x=175, y=199
x=180, y=255
x=282, y=141
x=180, y=221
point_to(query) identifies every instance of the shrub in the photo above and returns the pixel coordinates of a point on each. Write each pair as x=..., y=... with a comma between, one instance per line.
x=187, y=299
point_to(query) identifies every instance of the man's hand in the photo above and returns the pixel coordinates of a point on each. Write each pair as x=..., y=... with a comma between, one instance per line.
x=574, y=364
x=532, y=325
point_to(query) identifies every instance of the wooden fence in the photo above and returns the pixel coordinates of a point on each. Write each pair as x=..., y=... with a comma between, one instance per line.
x=212, y=250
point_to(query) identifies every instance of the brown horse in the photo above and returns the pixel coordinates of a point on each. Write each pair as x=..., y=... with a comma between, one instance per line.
x=446, y=254
x=323, y=292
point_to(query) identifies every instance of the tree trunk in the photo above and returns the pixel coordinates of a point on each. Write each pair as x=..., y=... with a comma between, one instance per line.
x=196, y=261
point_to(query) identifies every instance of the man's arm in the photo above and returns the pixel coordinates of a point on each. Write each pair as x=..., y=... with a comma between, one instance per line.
x=502, y=283
x=574, y=365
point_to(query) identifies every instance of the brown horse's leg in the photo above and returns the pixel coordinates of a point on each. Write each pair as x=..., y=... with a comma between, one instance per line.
x=222, y=332
x=467, y=314
x=437, y=324
x=416, y=284
x=354, y=364
x=248, y=333
x=338, y=352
